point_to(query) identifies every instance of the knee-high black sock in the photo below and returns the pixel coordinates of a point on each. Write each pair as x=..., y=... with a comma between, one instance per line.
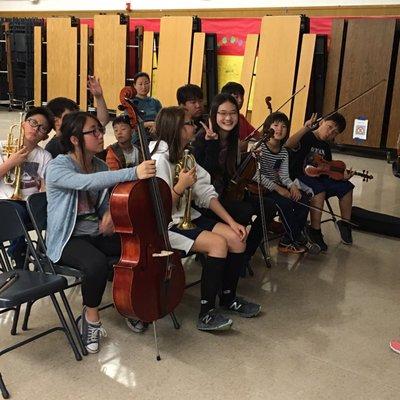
x=233, y=266
x=211, y=278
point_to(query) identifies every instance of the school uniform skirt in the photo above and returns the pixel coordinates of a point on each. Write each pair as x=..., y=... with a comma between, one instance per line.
x=183, y=239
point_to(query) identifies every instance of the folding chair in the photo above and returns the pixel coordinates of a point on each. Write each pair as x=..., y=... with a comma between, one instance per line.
x=37, y=209
x=23, y=286
x=332, y=218
x=5, y=266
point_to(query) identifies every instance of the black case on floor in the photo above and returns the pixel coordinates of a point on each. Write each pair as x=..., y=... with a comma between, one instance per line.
x=371, y=221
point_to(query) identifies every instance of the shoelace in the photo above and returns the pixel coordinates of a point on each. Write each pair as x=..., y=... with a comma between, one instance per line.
x=95, y=332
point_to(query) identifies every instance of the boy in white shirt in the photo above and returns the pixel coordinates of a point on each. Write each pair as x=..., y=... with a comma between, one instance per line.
x=32, y=160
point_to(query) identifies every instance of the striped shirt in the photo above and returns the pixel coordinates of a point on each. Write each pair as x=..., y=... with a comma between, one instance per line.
x=274, y=168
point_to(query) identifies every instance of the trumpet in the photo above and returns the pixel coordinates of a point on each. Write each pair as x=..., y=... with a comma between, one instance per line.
x=13, y=176
x=186, y=163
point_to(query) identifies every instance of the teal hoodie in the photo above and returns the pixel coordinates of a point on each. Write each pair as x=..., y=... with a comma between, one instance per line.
x=63, y=181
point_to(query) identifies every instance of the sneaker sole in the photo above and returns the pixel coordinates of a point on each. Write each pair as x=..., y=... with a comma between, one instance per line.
x=223, y=327
x=233, y=312
x=288, y=251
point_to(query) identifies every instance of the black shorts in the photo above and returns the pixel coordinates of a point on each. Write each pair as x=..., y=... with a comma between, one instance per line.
x=328, y=185
x=202, y=224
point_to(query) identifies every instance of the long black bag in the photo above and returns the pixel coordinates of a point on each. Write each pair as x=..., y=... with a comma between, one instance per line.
x=371, y=221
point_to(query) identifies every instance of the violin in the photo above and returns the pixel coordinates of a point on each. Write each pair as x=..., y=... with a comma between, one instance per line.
x=335, y=169
x=149, y=280
x=246, y=171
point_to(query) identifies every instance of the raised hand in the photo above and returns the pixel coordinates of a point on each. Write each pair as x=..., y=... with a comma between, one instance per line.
x=210, y=134
x=94, y=86
x=309, y=123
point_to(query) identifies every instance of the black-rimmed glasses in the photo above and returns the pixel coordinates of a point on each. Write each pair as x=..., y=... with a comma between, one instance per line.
x=43, y=129
x=96, y=132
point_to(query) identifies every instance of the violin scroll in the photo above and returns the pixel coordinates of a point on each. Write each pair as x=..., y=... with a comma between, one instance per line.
x=268, y=103
x=126, y=94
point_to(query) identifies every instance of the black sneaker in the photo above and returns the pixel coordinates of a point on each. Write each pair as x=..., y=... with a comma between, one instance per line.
x=90, y=333
x=315, y=236
x=243, y=308
x=213, y=321
x=345, y=232
x=136, y=325
x=310, y=247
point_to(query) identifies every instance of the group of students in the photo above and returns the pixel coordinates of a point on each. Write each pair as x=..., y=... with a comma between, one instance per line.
x=80, y=231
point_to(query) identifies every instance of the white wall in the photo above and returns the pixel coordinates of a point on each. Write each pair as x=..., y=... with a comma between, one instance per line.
x=109, y=5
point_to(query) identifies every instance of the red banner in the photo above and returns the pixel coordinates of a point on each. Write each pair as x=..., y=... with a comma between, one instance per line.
x=232, y=32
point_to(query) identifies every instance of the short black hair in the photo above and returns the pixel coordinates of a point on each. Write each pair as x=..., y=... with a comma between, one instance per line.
x=275, y=117
x=140, y=75
x=189, y=92
x=121, y=119
x=338, y=119
x=44, y=112
x=233, y=88
x=59, y=104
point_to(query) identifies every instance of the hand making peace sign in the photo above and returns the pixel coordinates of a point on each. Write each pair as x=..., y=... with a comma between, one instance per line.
x=210, y=134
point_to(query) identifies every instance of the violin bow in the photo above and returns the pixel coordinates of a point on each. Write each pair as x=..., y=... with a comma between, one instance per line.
x=315, y=125
x=332, y=214
x=250, y=135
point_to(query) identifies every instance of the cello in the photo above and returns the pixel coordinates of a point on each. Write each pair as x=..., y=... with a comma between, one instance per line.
x=149, y=279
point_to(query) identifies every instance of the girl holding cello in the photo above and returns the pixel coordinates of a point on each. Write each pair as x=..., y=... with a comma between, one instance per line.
x=223, y=242
x=80, y=231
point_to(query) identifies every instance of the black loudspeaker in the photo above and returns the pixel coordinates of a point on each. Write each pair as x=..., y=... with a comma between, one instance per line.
x=22, y=56
x=211, y=67
x=196, y=24
x=304, y=24
x=317, y=82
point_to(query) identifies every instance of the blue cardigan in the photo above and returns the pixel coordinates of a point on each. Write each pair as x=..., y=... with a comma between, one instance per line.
x=63, y=181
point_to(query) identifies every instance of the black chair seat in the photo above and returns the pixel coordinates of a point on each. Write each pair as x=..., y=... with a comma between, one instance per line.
x=68, y=271
x=29, y=286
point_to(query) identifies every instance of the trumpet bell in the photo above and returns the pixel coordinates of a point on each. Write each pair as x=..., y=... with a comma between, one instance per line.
x=186, y=225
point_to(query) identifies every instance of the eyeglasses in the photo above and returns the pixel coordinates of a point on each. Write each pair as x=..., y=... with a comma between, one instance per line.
x=224, y=114
x=96, y=132
x=43, y=129
x=190, y=123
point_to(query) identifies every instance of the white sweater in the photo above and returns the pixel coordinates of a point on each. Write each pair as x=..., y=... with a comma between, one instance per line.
x=202, y=192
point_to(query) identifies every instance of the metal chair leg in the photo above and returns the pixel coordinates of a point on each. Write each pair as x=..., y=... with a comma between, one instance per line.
x=27, y=315
x=3, y=389
x=66, y=329
x=15, y=320
x=74, y=324
x=177, y=325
